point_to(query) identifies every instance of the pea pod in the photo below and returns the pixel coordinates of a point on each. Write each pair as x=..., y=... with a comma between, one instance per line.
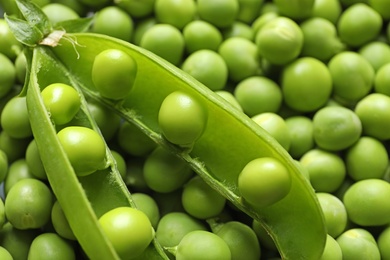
x=229, y=142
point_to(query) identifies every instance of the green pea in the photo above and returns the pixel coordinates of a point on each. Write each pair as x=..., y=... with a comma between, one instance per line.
x=320, y=39
x=120, y=26
x=229, y=97
x=140, y=27
x=332, y=250
x=17, y=170
x=3, y=219
x=344, y=68
x=208, y=67
x=174, y=12
x=75, y=5
x=120, y=163
x=59, y=12
x=107, y=121
x=382, y=80
x=84, y=147
x=199, y=34
x=147, y=205
x=182, y=118
x=135, y=8
x=334, y=212
x=51, y=246
x=261, y=20
x=366, y=159
x=200, y=200
x=21, y=67
x=383, y=243
x=241, y=58
x=301, y=135
x=336, y=128
x=306, y=84
x=238, y=29
x=34, y=162
x=276, y=126
x=14, y=148
x=164, y=172
x=241, y=239
x=220, y=13
x=327, y=170
x=249, y=10
x=258, y=95
x=9, y=46
x=296, y=10
x=113, y=73
x=280, y=40
x=134, y=179
x=17, y=242
x=358, y=243
x=367, y=202
x=61, y=101
x=60, y=223
x=4, y=254
x=7, y=75
x=382, y=7
x=327, y=9
x=359, y=18
x=264, y=181
x=265, y=239
x=173, y=226
x=377, y=54
x=372, y=112
x=28, y=204
x=14, y=118
x=128, y=229
x=166, y=41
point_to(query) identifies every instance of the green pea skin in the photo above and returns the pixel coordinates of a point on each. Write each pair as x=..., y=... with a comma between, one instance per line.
x=383, y=243
x=141, y=27
x=9, y=46
x=208, y=67
x=3, y=165
x=220, y=13
x=241, y=239
x=7, y=75
x=301, y=135
x=60, y=223
x=164, y=172
x=229, y=97
x=3, y=219
x=61, y=101
x=382, y=80
x=334, y=212
x=377, y=53
x=21, y=67
x=202, y=245
x=264, y=181
x=327, y=9
x=382, y=7
x=128, y=229
x=114, y=73
x=121, y=25
x=199, y=35
x=297, y=10
x=336, y=128
x=14, y=118
x=372, y=111
x=28, y=204
x=358, y=243
x=367, y=202
x=175, y=12
x=238, y=29
x=84, y=147
x=51, y=246
x=241, y=57
x=4, y=254
x=34, y=161
x=148, y=205
x=173, y=226
x=200, y=200
x=166, y=41
x=17, y=170
x=327, y=170
x=120, y=163
x=249, y=10
x=14, y=148
x=258, y=95
x=59, y=12
x=332, y=250
x=366, y=159
x=182, y=118
x=265, y=239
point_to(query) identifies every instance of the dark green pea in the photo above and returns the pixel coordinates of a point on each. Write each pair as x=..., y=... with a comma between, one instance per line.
x=17, y=170
x=75, y=5
x=239, y=29
x=134, y=176
x=48, y=246
x=28, y=204
x=2, y=214
x=60, y=223
x=141, y=27
x=34, y=162
x=168, y=202
x=9, y=46
x=164, y=172
x=21, y=67
x=175, y=12
x=14, y=148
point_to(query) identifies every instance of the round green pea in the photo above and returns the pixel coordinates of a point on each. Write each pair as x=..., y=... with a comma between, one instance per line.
x=4, y=254
x=382, y=80
x=128, y=229
x=221, y=13
x=7, y=75
x=60, y=222
x=199, y=34
x=182, y=118
x=51, y=246
x=300, y=129
x=14, y=148
x=34, y=161
x=61, y=101
x=28, y=204
x=113, y=73
x=120, y=163
x=298, y=10
x=332, y=250
x=58, y=12
x=175, y=12
x=147, y=205
x=84, y=147
x=264, y=181
x=383, y=243
x=15, y=119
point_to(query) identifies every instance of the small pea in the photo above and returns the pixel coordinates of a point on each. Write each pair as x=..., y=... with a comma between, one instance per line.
x=4, y=254
x=221, y=13
x=7, y=75
x=60, y=222
x=51, y=246
x=14, y=148
x=120, y=163
x=327, y=9
x=17, y=170
x=28, y=204
x=182, y=118
x=301, y=135
x=148, y=205
x=332, y=250
x=128, y=229
x=14, y=118
x=113, y=73
x=383, y=243
x=382, y=80
x=84, y=147
x=137, y=9
x=59, y=12
x=9, y=46
x=34, y=161
x=264, y=181
x=199, y=34
x=377, y=53
x=295, y=10
x=175, y=12
x=358, y=243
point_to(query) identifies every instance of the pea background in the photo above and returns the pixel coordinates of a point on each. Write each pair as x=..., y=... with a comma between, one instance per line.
x=244, y=60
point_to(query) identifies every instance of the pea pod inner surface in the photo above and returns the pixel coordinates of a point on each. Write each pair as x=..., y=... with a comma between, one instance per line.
x=229, y=142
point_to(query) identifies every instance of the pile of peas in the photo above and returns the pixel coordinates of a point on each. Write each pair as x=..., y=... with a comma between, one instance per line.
x=314, y=74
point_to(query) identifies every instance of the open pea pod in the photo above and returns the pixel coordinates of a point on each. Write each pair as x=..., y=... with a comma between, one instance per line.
x=230, y=140
x=83, y=199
